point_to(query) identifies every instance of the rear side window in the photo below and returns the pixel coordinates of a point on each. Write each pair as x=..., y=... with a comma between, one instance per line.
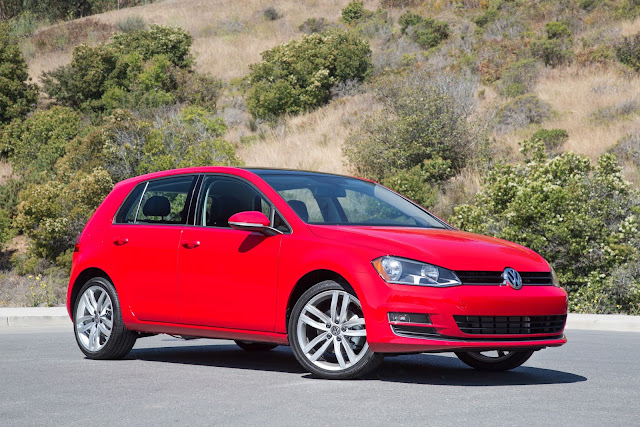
x=164, y=201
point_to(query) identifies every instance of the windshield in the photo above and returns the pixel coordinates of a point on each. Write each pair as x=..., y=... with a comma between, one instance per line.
x=337, y=200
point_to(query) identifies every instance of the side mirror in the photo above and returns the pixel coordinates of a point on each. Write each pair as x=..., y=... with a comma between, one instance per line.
x=253, y=221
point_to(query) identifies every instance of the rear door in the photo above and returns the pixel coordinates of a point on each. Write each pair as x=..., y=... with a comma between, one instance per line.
x=145, y=238
x=227, y=277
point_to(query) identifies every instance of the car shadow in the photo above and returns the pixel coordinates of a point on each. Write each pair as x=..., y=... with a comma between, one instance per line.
x=415, y=369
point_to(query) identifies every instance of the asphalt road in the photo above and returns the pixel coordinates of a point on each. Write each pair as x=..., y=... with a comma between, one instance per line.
x=45, y=380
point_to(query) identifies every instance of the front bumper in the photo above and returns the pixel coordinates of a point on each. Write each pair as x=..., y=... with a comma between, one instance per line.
x=442, y=304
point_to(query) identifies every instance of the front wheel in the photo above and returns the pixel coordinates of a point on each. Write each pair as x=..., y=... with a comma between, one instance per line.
x=497, y=360
x=97, y=322
x=327, y=333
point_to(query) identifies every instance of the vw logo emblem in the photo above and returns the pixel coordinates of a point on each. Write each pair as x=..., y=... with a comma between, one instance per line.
x=512, y=278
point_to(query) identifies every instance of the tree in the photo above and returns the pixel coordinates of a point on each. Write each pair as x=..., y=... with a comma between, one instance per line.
x=17, y=96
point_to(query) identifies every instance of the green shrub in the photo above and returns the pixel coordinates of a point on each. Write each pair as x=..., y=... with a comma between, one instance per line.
x=583, y=219
x=521, y=111
x=131, y=24
x=588, y=5
x=609, y=293
x=313, y=25
x=297, y=76
x=427, y=32
x=627, y=9
x=271, y=14
x=35, y=144
x=551, y=138
x=17, y=97
x=557, y=30
x=628, y=52
x=552, y=52
x=420, y=182
x=175, y=43
x=519, y=78
x=353, y=11
x=419, y=123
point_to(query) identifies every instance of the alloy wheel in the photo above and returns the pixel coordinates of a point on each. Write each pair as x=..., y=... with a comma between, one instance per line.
x=94, y=318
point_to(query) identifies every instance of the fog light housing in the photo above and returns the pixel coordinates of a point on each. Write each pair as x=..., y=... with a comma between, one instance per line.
x=409, y=318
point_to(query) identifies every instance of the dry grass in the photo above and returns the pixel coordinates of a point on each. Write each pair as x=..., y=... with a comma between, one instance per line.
x=628, y=28
x=311, y=141
x=228, y=35
x=6, y=171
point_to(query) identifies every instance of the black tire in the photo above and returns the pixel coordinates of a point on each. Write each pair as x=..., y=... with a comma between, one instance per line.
x=367, y=360
x=255, y=346
x=507, y=362
x=120, y=341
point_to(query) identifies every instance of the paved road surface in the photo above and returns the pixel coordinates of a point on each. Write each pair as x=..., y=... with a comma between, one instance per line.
x=45, y=380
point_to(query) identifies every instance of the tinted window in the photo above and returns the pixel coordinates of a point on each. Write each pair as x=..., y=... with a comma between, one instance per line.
x=127, y=212
x=221, y=197
x=337, y=200
x=166, y=201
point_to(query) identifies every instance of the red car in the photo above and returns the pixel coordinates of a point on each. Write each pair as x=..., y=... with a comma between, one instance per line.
x=341, y=269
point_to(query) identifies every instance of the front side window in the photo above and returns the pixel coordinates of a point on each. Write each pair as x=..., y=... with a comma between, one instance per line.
x=163, y=201
x=338, y=200
x=221, y=197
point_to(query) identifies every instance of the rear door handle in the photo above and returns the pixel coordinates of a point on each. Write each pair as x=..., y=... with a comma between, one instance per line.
x=191, y=244
x=119, y=241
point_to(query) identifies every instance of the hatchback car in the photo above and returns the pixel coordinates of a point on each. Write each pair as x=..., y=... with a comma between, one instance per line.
x=342, y=269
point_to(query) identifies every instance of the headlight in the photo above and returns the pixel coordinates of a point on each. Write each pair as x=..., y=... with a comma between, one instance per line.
x=554, y=277
x=407, y=272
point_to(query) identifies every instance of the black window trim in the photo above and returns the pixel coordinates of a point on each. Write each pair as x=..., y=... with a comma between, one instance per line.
x=274, y=210
x=190, y=214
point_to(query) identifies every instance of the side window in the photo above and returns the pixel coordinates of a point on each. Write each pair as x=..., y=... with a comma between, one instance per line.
x=127, y=212
x=304, y=204
x=166, y=201
x=221, y=197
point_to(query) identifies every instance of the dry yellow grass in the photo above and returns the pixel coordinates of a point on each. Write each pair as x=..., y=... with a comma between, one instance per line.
x=6, y=171
x=576, y=93
x=228, y=34
x=311, y=141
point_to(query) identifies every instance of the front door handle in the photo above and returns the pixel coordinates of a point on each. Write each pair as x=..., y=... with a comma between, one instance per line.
x=191, y=244
x=119, y=241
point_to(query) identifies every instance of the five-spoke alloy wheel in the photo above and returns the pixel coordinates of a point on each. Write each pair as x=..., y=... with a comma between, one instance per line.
x=496, y=360
x=328, y=335
x=97, y=322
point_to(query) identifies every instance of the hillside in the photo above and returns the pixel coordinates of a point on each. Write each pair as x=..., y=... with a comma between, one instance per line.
x=542, y=72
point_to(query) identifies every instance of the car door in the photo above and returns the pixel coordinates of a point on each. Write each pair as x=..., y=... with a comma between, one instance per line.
x=227, y=278
x=145, y=238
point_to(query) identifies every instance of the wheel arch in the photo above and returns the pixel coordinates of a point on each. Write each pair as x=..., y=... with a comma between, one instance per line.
x=82, y=278
x=307, y=281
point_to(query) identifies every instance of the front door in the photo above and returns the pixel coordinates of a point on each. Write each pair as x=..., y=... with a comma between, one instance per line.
x=227, y=278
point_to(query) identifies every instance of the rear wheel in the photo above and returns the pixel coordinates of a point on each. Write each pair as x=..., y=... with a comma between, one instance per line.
x=97, y=322
x=255, y=346
x=496, y=360
x=327, y=333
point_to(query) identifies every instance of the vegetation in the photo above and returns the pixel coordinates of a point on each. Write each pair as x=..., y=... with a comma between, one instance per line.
x=297, y=76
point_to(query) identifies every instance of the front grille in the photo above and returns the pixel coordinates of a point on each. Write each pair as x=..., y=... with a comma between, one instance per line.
x=510, y=325
x=495, y=278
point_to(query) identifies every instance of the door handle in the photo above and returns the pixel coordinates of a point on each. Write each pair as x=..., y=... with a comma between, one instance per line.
x=119, y=241
x=191, y=244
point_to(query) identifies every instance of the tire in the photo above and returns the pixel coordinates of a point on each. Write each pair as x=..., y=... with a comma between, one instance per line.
x=255, y=346
x=501, y=361
x=327, y=333
x=97, y=322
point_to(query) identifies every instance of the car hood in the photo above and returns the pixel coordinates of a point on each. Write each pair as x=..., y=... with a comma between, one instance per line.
x=452, y=249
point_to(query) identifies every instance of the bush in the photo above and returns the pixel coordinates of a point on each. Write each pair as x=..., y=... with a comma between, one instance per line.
x=297, y=76
x=427, y=32
x=158, y=40
x=523, y=110
x=555, y=49
x=627, y=149
x=519, y=78
x=624, y=109
x=131, y=24
x=271, y=14
x=353, y=11
x=551, y=138
x=420, y=182
x=609, y=293
x=34, y=145
x=17, y=97
x=313, y=25
x=583, y=219
x=557, y=30
x=628, y=52
x=420, y=122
